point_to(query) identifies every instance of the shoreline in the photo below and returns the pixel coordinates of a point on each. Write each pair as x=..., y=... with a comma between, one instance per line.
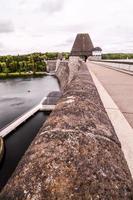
x=22, y=75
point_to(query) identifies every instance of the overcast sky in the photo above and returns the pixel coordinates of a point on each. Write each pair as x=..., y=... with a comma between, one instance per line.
x=51, y=25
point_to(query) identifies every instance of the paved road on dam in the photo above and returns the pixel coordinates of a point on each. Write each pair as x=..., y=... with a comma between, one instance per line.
x=119, y=86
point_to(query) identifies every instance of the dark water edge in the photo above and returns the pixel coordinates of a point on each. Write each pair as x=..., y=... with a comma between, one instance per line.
x=13, y=76
x=17, y=143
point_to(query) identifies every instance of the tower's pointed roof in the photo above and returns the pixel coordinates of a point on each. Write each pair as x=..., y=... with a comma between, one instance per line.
x=82, y=46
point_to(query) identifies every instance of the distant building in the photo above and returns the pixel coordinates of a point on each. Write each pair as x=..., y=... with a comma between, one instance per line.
x=97, y=53
x=83, y=47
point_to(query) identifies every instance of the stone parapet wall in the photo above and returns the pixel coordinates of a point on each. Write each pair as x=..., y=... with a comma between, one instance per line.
x=51, y=65
x=74, y=64
x=76, y=155
x=66, y=70
x=62, y=74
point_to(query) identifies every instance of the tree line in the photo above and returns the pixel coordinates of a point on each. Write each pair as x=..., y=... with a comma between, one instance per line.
x=115, y=56
x=35, y=62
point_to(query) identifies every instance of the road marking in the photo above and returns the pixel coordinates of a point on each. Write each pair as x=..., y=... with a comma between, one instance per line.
x=122, y=128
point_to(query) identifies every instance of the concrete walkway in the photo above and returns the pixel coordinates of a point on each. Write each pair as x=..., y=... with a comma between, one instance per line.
x=119, y=86
x=122, y=128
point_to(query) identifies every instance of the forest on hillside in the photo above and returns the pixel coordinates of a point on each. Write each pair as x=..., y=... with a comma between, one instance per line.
x=22, y=64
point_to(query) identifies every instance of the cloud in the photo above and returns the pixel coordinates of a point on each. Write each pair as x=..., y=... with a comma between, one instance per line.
x=66, y=44
x=6, y=27
x=21, y=2
x=52, y=6
x=75, y=27
x=1, y=45
x=48, y=25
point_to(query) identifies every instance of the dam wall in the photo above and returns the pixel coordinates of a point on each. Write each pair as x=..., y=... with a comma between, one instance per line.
x=62, y=74
x=66, y=70
x=76, y=154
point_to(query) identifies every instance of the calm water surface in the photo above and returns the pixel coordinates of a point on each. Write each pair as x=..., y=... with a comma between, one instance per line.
x=19, y=95
x=14, y=101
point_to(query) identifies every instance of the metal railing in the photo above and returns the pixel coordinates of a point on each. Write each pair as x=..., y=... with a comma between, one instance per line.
x=123, y=65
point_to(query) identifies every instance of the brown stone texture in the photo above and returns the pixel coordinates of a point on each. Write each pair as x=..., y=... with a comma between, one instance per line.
x=82, y=46
x=51, y=65
x=63, y=74
x=76, y=155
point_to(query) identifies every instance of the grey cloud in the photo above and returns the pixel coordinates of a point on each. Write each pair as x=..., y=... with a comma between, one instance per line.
x=52, y=6
x=21, y=2
x=25, y=2
x=75, y=28
x=70, y=40
x=6, y=27
x=65, y=43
